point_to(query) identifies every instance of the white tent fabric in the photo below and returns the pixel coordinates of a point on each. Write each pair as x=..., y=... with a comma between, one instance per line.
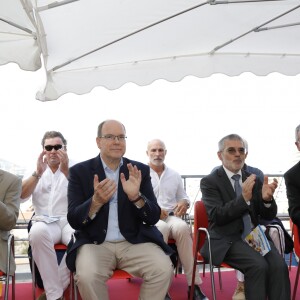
x=89, y=43
x=18, y=40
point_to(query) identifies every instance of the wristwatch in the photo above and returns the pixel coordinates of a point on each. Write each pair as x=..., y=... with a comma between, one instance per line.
x=140, y=197
x=35, y=174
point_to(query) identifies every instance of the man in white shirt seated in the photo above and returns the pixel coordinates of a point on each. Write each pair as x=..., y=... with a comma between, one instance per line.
x=48, y=188
x=174, y=202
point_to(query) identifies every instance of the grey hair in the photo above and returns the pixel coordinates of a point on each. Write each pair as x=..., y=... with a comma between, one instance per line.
x=297, y=130
x=231, y=137
x=156, y=140
x=246, y=146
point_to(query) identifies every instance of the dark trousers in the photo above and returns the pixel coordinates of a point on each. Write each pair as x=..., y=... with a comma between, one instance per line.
x=265, y=276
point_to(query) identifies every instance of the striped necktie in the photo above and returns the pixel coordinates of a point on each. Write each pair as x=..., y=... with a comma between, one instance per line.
x=246, y=216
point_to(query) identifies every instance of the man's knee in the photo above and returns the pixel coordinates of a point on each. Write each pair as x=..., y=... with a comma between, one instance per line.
x=259, y=267
x=37, y=232
x=181, y=230
x=163, y=268
x=85, y=277
x=164, y=228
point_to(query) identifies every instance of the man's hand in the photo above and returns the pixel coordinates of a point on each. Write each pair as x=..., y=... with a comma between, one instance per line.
x=41, y=163
x=247, y=187
x=181, y=208
x=64, y=161
x=132, y=186
x=103, y=190
x=269, y=189
x=163, y=214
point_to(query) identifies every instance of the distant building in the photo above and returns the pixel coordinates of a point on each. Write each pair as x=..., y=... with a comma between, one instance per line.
x=12, y=168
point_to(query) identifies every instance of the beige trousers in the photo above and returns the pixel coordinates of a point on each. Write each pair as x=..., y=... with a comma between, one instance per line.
x=95, y=265
x=177, y=229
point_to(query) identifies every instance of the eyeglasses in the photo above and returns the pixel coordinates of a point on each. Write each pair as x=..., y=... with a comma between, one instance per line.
x=111, y=137
x=55, y=147
x=232, y=150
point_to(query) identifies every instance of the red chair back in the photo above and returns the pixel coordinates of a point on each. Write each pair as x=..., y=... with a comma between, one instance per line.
x=296, y=240
x=200, y=220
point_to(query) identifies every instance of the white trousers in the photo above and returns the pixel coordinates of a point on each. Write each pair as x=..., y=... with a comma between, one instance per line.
x=177, y=229
x=42, y=238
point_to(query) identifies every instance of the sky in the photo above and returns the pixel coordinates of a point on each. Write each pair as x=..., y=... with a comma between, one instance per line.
x=191, y=116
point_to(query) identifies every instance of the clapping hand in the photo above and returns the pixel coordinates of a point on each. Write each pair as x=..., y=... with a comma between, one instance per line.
x=269, y=189
x=64, y=161
x=103, y=190
x=131, y=186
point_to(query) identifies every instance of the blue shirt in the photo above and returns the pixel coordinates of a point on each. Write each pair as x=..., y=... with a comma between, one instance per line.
x=113, y=231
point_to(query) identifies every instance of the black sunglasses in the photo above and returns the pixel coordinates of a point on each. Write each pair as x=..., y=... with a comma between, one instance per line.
x=55, y=147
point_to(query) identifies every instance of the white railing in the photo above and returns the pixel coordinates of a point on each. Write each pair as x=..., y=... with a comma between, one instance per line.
x=192, y=187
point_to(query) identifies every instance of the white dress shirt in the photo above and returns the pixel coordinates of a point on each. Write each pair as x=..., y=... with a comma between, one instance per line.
x=168, y=188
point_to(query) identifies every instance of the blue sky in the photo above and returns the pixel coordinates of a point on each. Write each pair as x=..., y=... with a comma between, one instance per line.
x=190, y=116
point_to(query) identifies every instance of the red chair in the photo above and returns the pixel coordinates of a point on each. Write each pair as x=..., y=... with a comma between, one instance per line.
x=121, y=274
x=4, y=274
x=292, y=235
x=297, y=252
x=200, y=232
x=118, y=274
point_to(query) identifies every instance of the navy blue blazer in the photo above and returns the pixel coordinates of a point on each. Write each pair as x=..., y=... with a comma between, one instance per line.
x=225, y=212
x=136, y=225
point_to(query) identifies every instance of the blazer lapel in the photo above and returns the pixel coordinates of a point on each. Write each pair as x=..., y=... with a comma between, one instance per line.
x=226, y=184
x=121, y=193
x=97, y=168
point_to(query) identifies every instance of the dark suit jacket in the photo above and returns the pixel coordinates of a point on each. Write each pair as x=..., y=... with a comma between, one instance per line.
x=292, y=183
x=225, y=212
x=136, y=225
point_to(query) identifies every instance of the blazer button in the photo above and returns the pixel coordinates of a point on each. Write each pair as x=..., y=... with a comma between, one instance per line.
x=104, y=230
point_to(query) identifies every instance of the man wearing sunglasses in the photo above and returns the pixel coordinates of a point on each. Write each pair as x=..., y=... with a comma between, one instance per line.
x=113, y=209
x=47, y=186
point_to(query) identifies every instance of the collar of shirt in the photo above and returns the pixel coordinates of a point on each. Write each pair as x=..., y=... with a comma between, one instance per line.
x=230, y=174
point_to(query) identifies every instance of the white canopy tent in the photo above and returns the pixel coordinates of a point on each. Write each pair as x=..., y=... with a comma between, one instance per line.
x=90, y=43
x=18, y=39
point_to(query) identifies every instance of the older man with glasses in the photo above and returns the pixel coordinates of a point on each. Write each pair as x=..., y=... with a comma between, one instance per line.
x=113, y=209
x=47, y=187
x=234, y=199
